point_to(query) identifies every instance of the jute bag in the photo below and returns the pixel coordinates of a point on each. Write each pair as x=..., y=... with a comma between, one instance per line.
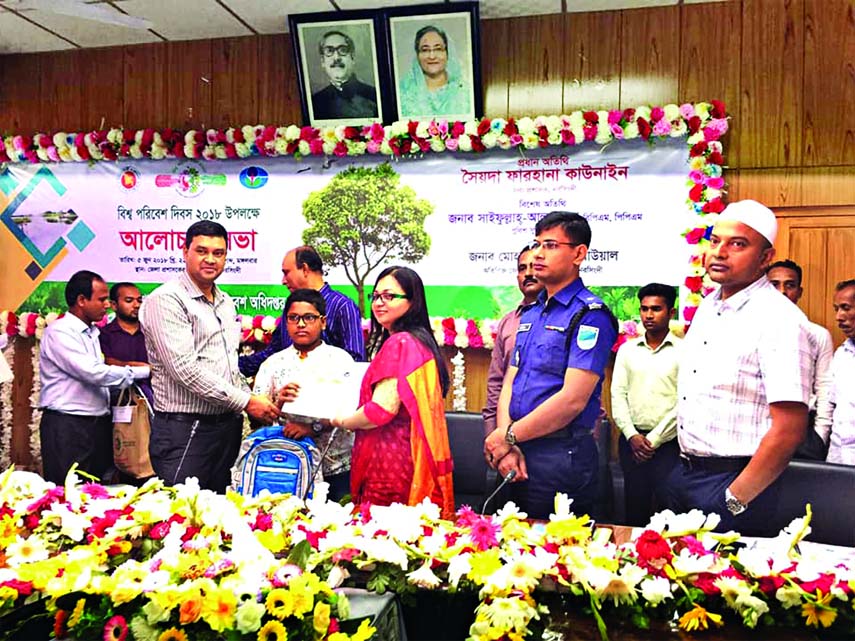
x=131, y=430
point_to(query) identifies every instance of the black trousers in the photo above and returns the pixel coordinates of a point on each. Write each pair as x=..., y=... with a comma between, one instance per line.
x=184, y=445
x=648, y=486
x=71, y=438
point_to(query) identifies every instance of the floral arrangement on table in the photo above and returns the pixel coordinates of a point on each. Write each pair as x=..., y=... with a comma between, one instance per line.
x=703, y=124
x=156, y=563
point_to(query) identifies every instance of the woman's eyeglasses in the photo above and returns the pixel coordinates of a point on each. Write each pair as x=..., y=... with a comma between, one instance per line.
x=386, y=297
x=308, y=319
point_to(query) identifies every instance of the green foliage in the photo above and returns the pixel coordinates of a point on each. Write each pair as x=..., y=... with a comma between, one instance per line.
x=299, y=554
x=363, y=219
x=46, y=298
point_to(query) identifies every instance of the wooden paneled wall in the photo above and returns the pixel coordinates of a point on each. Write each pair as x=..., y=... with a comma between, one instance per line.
x=783, y=67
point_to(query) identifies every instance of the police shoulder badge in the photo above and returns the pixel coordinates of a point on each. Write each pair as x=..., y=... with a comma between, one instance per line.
x=587, y=336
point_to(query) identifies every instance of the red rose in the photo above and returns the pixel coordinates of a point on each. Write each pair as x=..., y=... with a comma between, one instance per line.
x=510, y=128
x=178, y=149
x=656, y=114
x=693, y=283
x=340, y=149
x=590, y=131
x=591, y=117
x=411, y=128
x=628, y=114
x=483, y=126
x=457, y=129
x=694, y=124
x=706, y=582
x=567, y=137
x=292, y=147
x=770, y=584
x=83, y=152
x=124, y=150
x=351, y=133
x=168, y=135
x=316, y=146
x=699, y=148
x=477, y=145
x=128, y=135
x=643, y=128
x=308, y=133
x=107, y=151
x=159, y=530
x=696, y=193
x=718, y=110
x=406, y=145
x=715, y=158
x=650, y=546
x=231, y=152
x=715, y=206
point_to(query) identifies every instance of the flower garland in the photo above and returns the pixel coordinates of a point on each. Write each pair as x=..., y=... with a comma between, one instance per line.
x=36, y=413
x=6, y=409
x=703, y=124
x=157, y=562
x=458, y=382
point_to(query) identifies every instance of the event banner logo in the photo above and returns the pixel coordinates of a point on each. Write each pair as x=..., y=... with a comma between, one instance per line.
x=253, y=177
x=189, y=179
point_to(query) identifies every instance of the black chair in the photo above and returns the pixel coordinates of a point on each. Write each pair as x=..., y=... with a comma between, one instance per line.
x=471, y=472
x=830, y=489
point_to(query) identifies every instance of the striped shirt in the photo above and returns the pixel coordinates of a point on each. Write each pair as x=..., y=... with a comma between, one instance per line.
x=344, y=330
x=740, y=355
x=193, y=349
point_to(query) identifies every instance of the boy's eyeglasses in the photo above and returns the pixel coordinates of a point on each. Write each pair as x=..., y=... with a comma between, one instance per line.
x=307, y=319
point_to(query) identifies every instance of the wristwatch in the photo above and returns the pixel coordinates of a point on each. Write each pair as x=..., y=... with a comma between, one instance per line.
x=733, y=504
x=317, y=427
x=510, y=437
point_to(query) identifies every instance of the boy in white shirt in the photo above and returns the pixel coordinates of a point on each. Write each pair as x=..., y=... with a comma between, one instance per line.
x=306, y=361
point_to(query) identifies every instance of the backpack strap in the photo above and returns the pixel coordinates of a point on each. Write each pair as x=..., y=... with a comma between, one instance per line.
x=579, y=315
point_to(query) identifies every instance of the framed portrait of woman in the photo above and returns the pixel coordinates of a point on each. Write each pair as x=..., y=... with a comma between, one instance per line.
x=435, y=61
x=340, y=59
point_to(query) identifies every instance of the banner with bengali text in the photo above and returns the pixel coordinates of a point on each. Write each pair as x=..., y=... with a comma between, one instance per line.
x=127, y=220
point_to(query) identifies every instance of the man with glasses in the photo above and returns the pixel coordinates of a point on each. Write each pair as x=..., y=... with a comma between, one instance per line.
x=550, y=399
x=307, y=361
x=345, y=96
x=302, y=268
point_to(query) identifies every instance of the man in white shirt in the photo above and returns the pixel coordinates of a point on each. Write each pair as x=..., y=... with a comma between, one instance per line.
x=644, y=407
x=292, y=372
x=842, y=443
x=76, y=426
x=744, y=381
x=786, y=277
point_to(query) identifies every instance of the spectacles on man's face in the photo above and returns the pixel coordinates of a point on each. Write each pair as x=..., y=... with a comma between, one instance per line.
x=550, y=245
x=423, y=51
x=342, y=50
x=308, y=319
x=386, y=297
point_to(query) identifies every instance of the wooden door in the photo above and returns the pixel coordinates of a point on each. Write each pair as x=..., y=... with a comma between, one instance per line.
x=822, y=241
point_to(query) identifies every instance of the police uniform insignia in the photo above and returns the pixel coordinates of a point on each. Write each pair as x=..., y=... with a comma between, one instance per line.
x=524, y=327
x=587, y=336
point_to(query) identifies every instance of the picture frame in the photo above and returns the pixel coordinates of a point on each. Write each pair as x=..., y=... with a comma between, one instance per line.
x=434, y=61
x=341, y=66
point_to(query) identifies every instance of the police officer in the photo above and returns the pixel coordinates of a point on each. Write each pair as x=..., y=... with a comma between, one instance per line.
x=550, y=399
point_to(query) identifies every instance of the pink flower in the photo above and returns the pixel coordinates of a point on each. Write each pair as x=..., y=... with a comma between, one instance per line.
x=116, y=629
x=483, y=533
x=316, y=146
x=689, y=313
x=662, y=127
x=372, y=147
x=590, y=131
x=451, y=144
x=687, y=110
x=656, y=114
x=714, y=183
x=567, y=137
x=515, y=139
x=466, y=517
x=715, y=129
x=697, y=176
x=615, y=116
x=617, y=130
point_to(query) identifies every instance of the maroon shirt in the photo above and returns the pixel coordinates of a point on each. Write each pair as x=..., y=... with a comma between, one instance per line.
x=119, y=344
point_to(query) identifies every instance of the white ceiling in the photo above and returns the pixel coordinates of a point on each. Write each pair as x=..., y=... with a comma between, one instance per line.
x=50, y=25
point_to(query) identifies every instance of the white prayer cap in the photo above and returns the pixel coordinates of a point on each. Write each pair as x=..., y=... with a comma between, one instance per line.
x=759, y=217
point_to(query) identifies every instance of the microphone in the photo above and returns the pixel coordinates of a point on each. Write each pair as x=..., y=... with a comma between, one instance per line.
x=510, y=476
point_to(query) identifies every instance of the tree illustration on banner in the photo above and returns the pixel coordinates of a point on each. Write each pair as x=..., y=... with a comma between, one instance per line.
x=363, y=219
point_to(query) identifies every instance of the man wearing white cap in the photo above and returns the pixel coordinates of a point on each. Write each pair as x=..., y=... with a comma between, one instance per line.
x=744, y=380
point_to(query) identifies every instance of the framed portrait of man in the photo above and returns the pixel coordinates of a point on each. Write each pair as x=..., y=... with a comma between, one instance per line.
x=435, y=61
x=340, y=63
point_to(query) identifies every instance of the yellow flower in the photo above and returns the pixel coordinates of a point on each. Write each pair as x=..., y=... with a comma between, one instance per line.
x=273, y=631
x=321, y=620
x=8, y=594
x=698, y=619
x=219, y=609
x=8, y=530
x=76, y=613
x=819, y=613
x=483, y=564
x=273, y=541
x=172, y=634
x=280, y=603
x=575, y=528
x=365, y=631
x=303, y=601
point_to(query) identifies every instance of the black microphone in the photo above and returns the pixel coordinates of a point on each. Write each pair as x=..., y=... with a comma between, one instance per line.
x=510, y=476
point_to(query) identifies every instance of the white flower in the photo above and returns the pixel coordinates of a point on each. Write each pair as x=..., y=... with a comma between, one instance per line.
x=437, y=144
x=508, y=512
x=679, y=128
x=702, y=110
x=789, y=596
x=142, y=630
x=29, y=550
x=751, y=608
x=384, y=550
x=424, y=576
x=672, y=112
x=399, y=128
x=337, y=576
x=464, y=143
x=686, y=563
x=643, y=112
x=489, y=139
x=525, y=126
x=422, y=128
x=155, y=613
x=248, y=616
x=604, y=133
x=731, y=588
x=458, y=566
x=681, y=524
x=561, y=507
x=655, y=589
x=304, y=148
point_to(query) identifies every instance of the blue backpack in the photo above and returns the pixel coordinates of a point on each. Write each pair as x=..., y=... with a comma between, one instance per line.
x=267, y=460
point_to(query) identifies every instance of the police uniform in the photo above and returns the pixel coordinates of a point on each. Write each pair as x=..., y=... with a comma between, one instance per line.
x=566, y=460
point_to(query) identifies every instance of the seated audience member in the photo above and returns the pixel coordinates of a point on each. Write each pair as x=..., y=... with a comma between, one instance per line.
x=842, y=442
x=285, y=374
x=76, y=425
x=401, y=452
x=644, y=407
x=786, y=276
x=122, y=340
